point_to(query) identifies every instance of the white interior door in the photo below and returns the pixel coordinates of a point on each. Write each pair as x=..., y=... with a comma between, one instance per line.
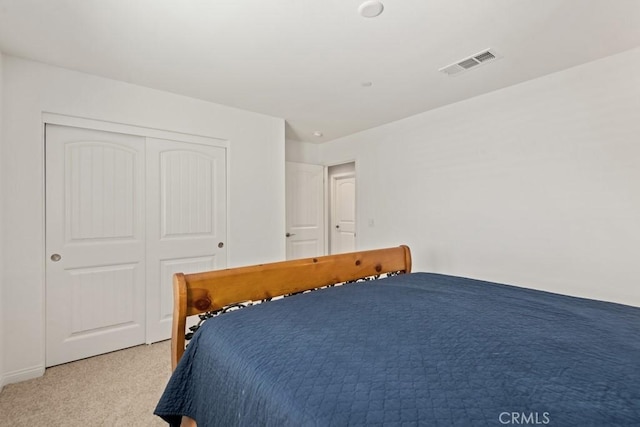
x=95, y=242
x=124, y=213
x=305, y=210
x=186, y=221
x=343, y=213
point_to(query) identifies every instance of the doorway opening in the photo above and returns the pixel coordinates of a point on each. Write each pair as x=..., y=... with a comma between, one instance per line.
x=342, y=208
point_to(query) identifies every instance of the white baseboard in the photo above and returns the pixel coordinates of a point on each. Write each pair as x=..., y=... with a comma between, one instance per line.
x=21, y=375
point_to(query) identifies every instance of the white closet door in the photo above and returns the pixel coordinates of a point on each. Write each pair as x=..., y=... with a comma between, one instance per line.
x=124, y=213
x=186, y=221
x=95, y=242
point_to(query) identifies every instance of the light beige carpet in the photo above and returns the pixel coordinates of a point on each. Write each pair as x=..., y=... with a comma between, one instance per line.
x=115, y=389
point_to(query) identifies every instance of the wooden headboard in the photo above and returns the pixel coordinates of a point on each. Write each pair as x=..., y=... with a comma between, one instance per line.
x=202, y=292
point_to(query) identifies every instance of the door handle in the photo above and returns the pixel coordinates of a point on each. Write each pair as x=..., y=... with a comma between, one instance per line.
x=290, y=234
x=56, y=257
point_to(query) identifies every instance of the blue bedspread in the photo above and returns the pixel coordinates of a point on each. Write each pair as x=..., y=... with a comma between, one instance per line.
x=416, y=349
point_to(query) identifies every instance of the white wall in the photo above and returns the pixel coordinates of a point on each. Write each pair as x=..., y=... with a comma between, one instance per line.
x=536, y=185
x=302, y=152
x=256, y=181
x=2, y=321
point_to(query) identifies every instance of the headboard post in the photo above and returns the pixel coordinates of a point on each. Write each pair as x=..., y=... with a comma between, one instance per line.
x=179, y=318
x=407, y=258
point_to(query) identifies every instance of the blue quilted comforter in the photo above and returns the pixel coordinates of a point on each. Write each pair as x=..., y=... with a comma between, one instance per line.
x=415, y=349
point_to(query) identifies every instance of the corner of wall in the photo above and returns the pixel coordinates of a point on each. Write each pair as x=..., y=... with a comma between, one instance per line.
x=301, y=152
x=551, y=187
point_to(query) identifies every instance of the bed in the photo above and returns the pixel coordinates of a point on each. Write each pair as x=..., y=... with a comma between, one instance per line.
x=361, y=340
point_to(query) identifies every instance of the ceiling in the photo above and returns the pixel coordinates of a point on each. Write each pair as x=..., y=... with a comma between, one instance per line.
x=309, y=61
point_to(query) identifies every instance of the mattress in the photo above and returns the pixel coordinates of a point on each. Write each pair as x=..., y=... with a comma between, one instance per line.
x=414, y=349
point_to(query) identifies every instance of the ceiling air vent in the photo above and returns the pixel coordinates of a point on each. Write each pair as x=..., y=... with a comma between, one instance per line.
x=472, y=61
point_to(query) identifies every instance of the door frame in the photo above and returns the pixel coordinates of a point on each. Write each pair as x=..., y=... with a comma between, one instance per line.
x=100, y=125
x=81, y=122
x=329, y=199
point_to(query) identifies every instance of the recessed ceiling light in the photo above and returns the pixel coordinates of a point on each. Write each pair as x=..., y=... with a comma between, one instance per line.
x=370, y=9
x=317, y=133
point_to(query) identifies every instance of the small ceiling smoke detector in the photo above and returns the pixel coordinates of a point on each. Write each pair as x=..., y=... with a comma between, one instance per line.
x=317, y=133
x=370, y=9
x=472, y=61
